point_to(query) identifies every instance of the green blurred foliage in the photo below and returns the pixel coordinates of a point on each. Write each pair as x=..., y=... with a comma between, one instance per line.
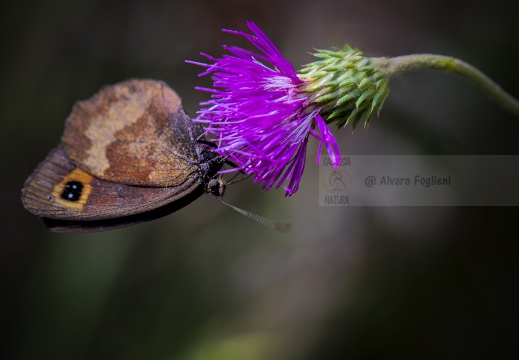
x=207, y=283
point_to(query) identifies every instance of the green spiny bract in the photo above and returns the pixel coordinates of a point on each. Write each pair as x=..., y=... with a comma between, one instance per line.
x=346, y=85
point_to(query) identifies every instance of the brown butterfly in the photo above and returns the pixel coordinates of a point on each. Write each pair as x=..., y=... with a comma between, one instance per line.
x=129, y=154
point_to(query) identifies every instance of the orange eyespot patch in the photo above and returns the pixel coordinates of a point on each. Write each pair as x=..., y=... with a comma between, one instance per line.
x=73, y=191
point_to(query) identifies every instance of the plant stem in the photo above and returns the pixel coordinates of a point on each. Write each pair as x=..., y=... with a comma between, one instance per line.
x=400, y=64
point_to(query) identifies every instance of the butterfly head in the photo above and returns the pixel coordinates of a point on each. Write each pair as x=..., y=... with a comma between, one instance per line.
x=216, y=187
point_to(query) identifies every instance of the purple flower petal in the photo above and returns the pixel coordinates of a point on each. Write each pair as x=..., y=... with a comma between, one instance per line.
x=259, y=116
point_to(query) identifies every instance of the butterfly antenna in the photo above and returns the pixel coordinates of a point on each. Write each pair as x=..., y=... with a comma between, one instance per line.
x=271, y=224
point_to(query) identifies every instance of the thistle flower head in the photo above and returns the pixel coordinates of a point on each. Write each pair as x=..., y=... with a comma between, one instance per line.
x=262, y=113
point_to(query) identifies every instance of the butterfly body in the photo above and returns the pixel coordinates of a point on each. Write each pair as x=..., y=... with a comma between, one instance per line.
x=129, y=154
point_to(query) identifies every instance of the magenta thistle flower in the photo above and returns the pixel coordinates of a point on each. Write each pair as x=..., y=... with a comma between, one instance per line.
x=260, y=114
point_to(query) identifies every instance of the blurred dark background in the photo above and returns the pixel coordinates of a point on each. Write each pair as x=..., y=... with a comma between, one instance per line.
x=206, y=282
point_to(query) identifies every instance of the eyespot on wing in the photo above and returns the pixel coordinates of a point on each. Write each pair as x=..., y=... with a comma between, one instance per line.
x=46, y=191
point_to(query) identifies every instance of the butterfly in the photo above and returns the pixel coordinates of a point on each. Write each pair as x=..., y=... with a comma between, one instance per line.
x=129, y=154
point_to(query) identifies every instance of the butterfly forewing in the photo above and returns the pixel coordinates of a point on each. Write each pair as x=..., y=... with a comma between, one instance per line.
x=58, y=189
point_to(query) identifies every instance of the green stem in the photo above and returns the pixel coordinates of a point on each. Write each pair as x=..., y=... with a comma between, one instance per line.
x=400, y=64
